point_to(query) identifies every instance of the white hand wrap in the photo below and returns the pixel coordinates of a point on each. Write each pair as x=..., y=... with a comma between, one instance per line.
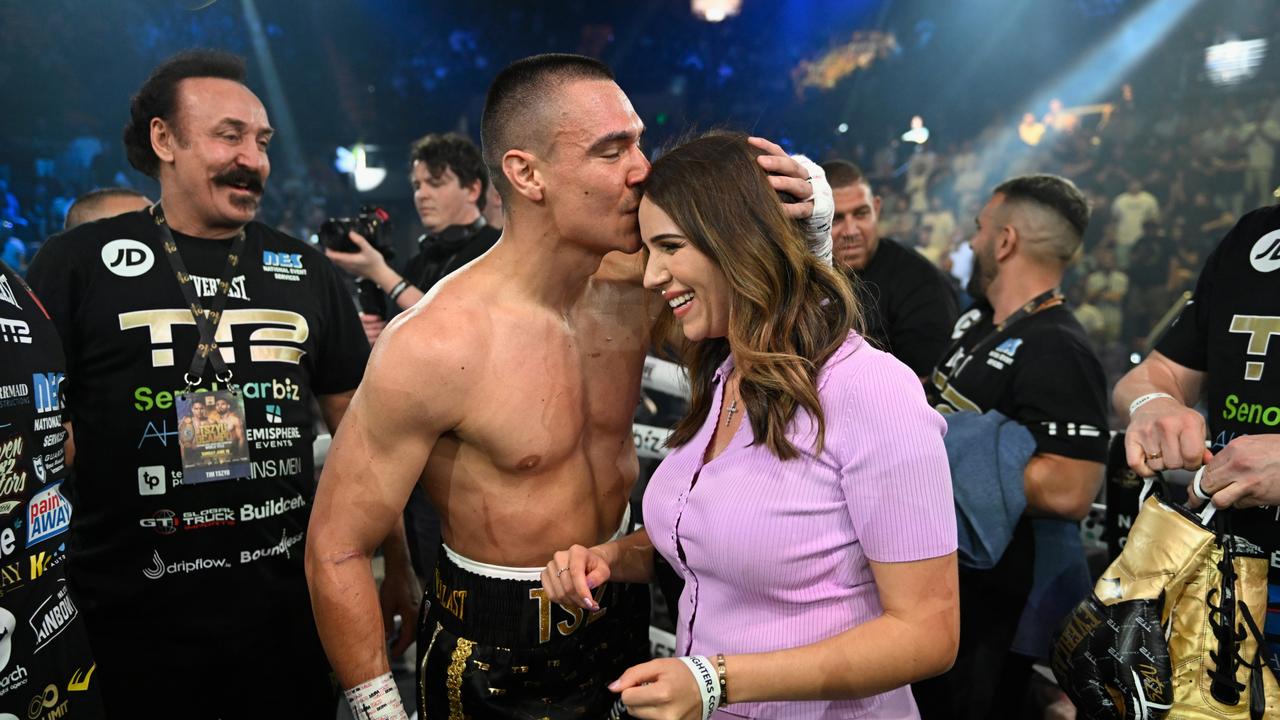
x=704, y=674
x=818, y=226
x=376, y=699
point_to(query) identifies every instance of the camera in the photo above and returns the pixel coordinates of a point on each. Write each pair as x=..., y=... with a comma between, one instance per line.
x=373, y=224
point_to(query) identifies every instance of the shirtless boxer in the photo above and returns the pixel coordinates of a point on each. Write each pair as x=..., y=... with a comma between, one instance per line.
x=509, y=390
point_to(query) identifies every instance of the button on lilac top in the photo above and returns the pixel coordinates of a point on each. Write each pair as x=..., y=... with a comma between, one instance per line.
x=776, y=552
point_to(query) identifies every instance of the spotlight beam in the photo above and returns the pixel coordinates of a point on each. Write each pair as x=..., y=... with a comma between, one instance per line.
x=282, y=118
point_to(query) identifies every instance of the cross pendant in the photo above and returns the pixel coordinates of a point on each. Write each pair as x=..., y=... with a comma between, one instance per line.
x=733, y=408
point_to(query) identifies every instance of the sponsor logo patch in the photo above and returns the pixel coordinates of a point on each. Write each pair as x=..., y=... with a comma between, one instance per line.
x=53, y=616
x=151, y=480
x=15, y=394
x=48, y=514
x=159, y=569
x=1265, y=255
x=15, y=331
x=283, y=266
x=127, y=258
x=283, y=548
x=6, y=292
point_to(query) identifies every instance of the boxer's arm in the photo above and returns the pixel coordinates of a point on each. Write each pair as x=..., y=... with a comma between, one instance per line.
x=375, y=460
x=401, y=595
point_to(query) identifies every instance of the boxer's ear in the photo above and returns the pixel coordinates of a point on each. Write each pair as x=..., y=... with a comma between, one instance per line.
x=522, y=171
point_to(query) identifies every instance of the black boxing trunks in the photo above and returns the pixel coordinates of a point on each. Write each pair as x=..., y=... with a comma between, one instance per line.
x=491, y=645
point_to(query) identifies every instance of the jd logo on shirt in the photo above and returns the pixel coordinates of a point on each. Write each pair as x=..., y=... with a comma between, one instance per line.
x=1265, y=255
x=127, y=258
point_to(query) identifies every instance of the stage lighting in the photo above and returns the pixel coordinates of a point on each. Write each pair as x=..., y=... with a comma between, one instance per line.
x=918, y=134
x=1234, y=62
x=715, y=10
x=842, y=128
x=354, y=161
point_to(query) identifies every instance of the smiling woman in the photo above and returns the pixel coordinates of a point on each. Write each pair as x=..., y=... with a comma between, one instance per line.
x=803, y=445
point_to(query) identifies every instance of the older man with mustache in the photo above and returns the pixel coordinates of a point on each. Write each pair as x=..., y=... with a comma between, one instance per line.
x=189, y=564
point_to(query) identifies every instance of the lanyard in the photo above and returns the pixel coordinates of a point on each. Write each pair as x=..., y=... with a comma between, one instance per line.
x=1043, y=301
x=207, y=349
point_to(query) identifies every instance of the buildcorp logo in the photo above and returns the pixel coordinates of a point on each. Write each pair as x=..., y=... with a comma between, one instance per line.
x=271, y=508
x=159, y=569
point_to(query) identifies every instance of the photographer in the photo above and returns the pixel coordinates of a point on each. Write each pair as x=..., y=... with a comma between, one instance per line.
x=449, y=182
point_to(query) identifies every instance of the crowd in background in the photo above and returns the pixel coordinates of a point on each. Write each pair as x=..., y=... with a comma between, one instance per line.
x=1166, y=165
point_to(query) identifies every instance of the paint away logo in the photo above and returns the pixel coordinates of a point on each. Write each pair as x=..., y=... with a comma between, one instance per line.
x=48, y=514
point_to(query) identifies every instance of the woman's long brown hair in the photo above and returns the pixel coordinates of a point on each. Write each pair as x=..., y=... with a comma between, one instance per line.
x=789, y=311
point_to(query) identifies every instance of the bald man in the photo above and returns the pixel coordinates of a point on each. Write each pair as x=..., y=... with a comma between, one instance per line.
x=104, y=203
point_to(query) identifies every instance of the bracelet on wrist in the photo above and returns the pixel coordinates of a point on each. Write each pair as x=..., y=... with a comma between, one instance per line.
x=1143, y=400
x=398, y=290
x=724, y=681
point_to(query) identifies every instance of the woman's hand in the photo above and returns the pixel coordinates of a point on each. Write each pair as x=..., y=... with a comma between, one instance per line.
x=572, y=574
x=661, y=689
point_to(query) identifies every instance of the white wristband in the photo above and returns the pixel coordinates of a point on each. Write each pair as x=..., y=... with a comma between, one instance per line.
x=1195, y=484
x=817, y=226
x=1146, y=399
x=704, y=674
x=376, y=699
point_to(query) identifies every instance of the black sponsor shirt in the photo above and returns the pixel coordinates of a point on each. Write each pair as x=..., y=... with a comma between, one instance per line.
x=220, y=563
x=1042, y=372
x=908, y=305
x=1227, y=332
x=43, y=640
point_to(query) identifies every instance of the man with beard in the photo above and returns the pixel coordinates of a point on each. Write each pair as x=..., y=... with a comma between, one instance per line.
x=193, y=592
x=909, y=305
x=1021, y=352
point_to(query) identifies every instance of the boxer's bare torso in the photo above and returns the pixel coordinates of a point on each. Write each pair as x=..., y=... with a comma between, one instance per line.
x=539, y=453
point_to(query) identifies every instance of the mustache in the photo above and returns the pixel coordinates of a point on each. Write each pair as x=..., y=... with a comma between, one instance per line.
x=240, y=176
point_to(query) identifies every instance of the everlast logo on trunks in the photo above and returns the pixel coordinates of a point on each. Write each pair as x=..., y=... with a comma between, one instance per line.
x=564, y=627
x=271, y=508
x=452, y=600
